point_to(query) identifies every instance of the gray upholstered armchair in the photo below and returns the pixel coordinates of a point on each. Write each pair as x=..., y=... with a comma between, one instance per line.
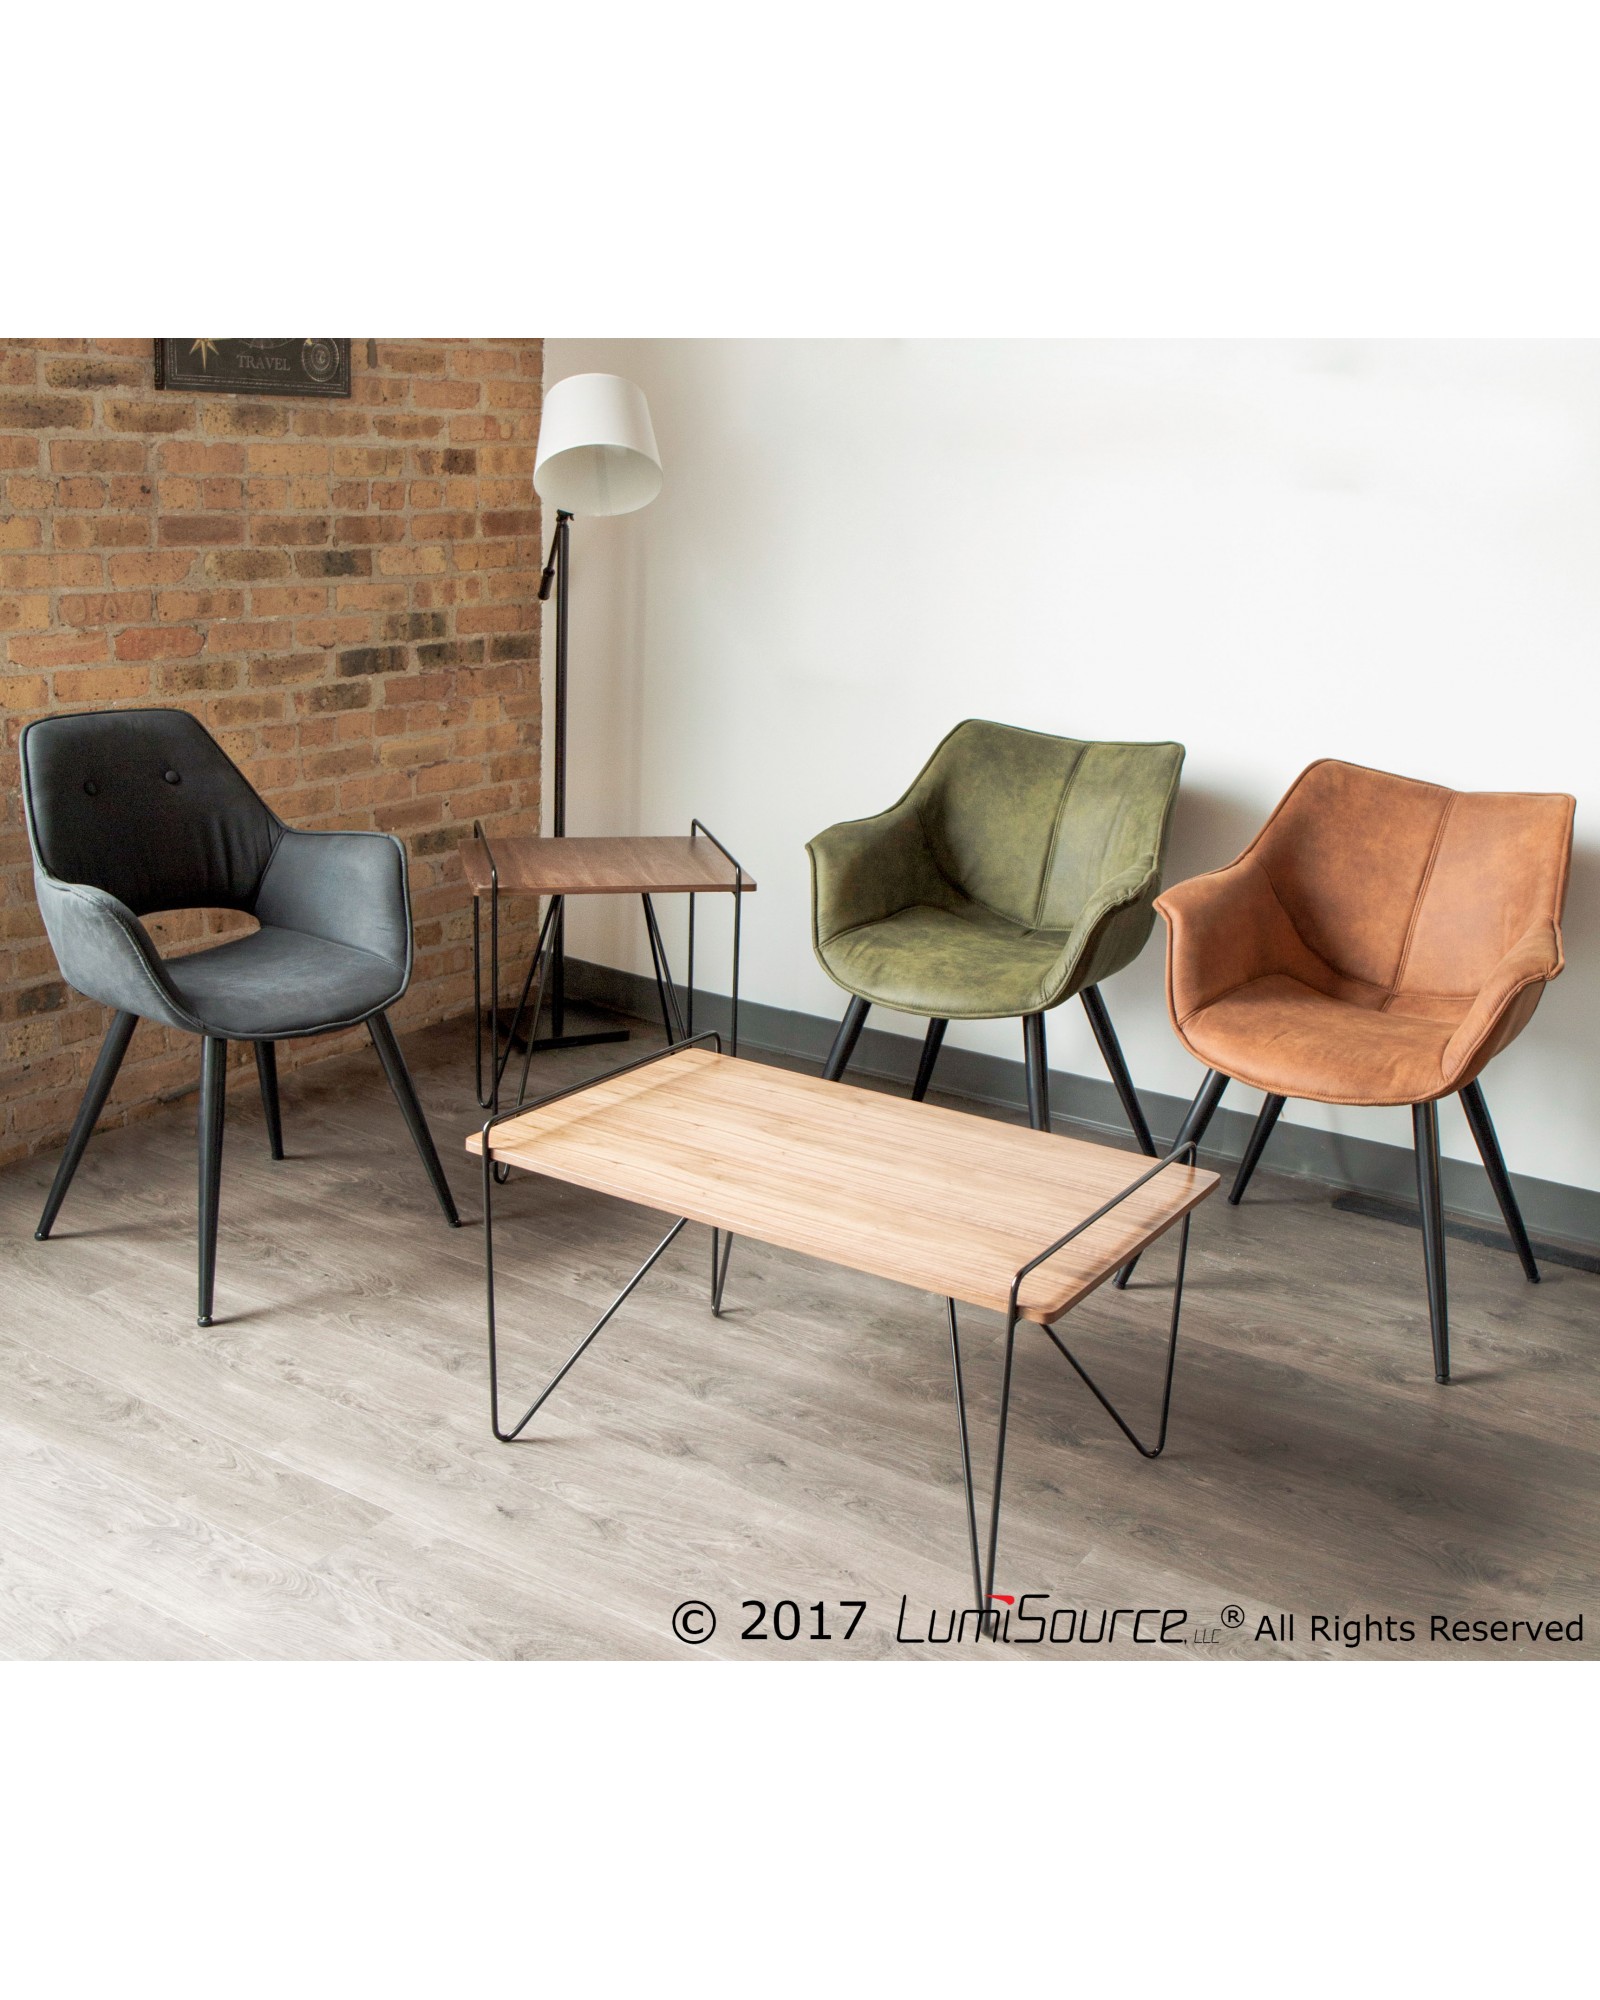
x=136, y=810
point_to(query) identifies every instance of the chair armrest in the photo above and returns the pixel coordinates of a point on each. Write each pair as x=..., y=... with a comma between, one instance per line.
x=863, y=870
x=1505, y=1003
x=106, y=954
x=347, y=887
x=1131, y=886
x=1225, y=928
x=1097, y=946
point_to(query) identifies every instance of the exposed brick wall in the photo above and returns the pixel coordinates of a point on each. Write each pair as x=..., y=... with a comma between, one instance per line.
x=344, y=592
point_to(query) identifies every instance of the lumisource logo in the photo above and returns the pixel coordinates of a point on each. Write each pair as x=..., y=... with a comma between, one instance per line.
x=1035, y=1619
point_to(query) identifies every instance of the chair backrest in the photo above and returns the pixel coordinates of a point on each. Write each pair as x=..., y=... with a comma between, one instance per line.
x=1031, y=825
x=145, y=804
x=1409, y=887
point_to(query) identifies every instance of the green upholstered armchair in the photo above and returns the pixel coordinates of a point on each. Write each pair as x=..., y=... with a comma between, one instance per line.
x=1019, y=869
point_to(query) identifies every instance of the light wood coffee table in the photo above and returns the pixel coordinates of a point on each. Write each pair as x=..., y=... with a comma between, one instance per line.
x=1015, y=1221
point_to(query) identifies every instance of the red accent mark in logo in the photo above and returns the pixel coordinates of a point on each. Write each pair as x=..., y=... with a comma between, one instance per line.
x=999, y=1597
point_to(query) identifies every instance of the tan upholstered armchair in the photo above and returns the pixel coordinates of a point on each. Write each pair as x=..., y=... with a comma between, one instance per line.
x=1377, y=943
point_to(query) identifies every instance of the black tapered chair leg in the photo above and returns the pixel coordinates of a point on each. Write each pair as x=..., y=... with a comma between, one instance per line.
x=1472, y=1102
x=1111, y=1052
x=1266, y=1118
x=101, y=1078
x=267, y=1071
x=844, y=1043
x=213, y=1102
x=929, y=1056
x=1196, y=1119
x=405, y=1095
x=1425, y=1131
x=1033, y=1049
x=1202, y=1110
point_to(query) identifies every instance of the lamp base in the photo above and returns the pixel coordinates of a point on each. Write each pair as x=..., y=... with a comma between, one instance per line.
x=589, y=1028
x=581, y=1041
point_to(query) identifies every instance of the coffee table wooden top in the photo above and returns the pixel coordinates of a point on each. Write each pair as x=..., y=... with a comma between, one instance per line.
x=939, y=1199
x=613, y=865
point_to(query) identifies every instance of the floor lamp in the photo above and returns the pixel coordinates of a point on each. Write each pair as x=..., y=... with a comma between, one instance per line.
x=596, y=455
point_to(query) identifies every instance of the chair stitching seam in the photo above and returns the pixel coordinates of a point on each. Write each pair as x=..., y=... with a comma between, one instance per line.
x=872, y=923
x=293, y=930
x=1254, y=980
x=1055, y=838
x=1422, y=891
x=1288, y=919
x=939, y=869
x=1288, y=915
x=321, y=1028
x=958, y=889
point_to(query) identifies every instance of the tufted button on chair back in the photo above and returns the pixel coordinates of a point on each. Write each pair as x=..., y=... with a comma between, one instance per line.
x=145, y=805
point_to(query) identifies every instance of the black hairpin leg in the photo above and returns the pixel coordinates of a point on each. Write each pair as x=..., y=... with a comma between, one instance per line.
x=213, y=1102
x=655, y=962
x=539, y=1401
x=101, y=1078
x=543, y=946
x=1260, y=1133
x=1425, y=1133
x=698, y=830
x=487, y=1164
x=666, y=991
x=538, y=978
x=1190, y=1133
x=503, y=1046
x=1012, y=1321
x=1144, y=1450
x=966, y=1459
x=1111, y=1053
x=1472, y=1102
x=1038, y=1071
x=986, y=1588
x=844, y=1042
x=930, y=1055
x=405, y=1095
x=484, y=1103
x=721, y=1249
x=267, y=1072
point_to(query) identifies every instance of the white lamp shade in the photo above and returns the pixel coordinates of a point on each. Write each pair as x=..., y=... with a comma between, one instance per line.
x=597, y=451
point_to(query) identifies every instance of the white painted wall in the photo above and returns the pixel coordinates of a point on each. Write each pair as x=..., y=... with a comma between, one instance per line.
x=1387, y=551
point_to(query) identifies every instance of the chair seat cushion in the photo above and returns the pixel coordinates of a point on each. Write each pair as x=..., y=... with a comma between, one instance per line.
x=967, y=965
x=279, y=982
x=1283, y=1036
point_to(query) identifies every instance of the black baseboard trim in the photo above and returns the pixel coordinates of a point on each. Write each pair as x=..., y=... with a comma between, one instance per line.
x=1567, y=1218
x=1491, y=1236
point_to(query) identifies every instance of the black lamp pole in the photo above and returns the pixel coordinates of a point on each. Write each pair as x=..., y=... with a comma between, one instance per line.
x=557, y=575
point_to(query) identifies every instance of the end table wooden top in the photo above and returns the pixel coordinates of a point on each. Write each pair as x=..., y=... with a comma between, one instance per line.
x=610, y=865
x=943, y=1200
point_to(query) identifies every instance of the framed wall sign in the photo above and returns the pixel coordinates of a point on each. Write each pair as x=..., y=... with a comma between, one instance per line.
x=255, y=367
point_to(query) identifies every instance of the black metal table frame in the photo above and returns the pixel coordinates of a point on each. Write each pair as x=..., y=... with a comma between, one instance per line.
x=677, y=1021
x=983, y=1574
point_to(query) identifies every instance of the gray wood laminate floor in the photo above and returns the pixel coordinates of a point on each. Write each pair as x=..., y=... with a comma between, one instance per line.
x=313, y=1477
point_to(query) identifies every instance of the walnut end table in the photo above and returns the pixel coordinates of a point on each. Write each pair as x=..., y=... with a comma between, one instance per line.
x=649, y=865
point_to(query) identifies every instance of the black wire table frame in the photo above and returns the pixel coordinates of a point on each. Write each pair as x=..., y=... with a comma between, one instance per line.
x=983, y=1566
x=676, y=1019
